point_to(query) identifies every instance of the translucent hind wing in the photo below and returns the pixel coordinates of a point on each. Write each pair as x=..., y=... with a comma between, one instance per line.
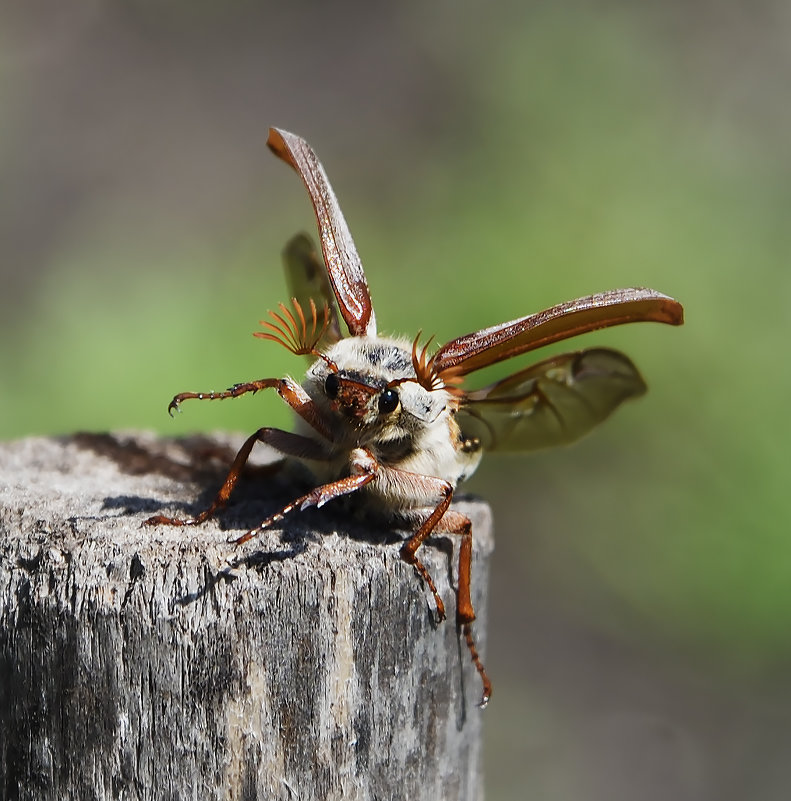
x=307, y=279
x=551, y=403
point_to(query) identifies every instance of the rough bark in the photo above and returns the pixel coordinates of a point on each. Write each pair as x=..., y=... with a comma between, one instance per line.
x=141, y=663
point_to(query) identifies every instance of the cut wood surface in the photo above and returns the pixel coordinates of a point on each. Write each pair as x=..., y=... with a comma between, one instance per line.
x=150, y=663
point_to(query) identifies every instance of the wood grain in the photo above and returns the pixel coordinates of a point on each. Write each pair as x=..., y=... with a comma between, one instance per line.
x=140, y=663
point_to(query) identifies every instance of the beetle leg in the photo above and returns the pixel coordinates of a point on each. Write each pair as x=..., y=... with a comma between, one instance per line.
x=452, y=522
x=409, y=548
x=288, y=389
x=363, y=470
x=283, y=441
x=232, y=392
x=456, y=523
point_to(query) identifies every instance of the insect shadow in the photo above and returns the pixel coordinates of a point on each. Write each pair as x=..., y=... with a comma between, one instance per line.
x=297, y=535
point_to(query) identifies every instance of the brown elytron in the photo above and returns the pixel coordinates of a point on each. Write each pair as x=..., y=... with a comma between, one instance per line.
x=381, y=419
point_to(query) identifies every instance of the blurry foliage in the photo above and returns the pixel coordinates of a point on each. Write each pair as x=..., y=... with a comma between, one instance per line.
x=579, y=162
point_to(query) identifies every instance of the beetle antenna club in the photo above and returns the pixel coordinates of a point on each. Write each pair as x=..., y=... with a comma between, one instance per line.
x=294, y=336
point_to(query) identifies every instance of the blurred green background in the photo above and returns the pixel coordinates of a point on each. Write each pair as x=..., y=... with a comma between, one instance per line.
x=492, y=160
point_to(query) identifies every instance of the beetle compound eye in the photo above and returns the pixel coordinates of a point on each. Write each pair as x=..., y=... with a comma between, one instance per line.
x=331, y=385
x=388, y=401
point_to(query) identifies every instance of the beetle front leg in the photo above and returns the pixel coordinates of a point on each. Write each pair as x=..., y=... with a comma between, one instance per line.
x=232, y=392
x=288, y=389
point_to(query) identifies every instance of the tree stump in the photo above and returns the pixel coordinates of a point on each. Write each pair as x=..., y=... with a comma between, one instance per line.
x=150, y=663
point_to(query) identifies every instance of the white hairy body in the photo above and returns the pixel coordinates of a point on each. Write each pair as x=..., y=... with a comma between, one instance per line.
x=419, y=438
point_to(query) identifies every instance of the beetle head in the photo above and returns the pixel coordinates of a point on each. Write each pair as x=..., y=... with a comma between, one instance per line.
x=369, y=387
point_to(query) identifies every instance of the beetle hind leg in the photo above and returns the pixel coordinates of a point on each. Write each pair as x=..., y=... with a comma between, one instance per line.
x=457, y=523
x=442, y=519
x=409, y=548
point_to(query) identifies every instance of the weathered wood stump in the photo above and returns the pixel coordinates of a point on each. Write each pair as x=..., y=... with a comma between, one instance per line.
x=141, y=663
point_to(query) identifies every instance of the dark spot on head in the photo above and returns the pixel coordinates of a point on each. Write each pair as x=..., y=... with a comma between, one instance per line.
x=389, y=357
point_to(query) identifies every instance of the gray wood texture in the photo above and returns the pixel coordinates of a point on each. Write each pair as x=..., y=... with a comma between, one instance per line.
x=143, y=663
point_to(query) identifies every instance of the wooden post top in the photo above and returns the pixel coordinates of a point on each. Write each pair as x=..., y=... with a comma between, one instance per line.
x=306, y=664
